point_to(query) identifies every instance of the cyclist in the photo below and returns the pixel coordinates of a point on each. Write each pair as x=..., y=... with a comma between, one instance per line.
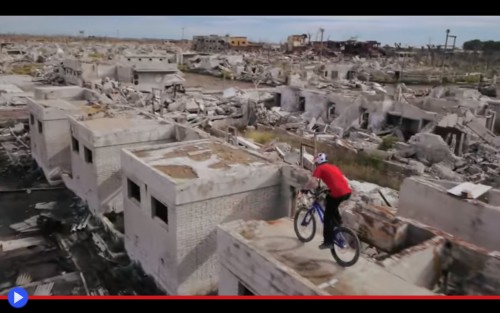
x=339, y=191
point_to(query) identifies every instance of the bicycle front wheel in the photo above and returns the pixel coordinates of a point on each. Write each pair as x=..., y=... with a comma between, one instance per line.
x=304, y=224
x=347, y=247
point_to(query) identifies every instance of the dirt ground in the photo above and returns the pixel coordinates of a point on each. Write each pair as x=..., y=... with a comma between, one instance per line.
x=213, y=83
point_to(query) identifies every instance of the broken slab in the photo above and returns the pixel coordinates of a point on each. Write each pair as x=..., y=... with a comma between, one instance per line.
x=429, y=202
x=10, y=245
x=469, y=190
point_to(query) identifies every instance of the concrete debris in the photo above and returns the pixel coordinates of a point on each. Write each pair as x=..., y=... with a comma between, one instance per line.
x=45, y=205
x=28, y=225
x=371, y=107
x=44, y=289
x=6, y=246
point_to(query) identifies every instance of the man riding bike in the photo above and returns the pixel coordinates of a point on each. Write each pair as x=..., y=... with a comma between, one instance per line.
x=340, y=191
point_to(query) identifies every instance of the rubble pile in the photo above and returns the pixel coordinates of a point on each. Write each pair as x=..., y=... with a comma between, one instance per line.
x=15, y=154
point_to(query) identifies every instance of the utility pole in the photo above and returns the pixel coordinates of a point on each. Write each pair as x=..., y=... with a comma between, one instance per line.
x=321, y=48
x=182, y=38
x=446, y=42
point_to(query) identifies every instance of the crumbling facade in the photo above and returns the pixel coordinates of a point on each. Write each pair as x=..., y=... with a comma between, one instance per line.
x=176, y=195
x=78, y=73
x=212, y=43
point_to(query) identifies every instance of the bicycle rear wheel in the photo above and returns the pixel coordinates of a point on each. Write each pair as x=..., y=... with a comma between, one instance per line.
x=303, y=219
x=347, y=247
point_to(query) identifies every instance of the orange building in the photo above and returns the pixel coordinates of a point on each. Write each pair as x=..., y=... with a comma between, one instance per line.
x=238, y=41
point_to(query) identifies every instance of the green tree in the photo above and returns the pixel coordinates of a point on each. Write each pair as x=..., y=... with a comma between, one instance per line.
x=475, y=44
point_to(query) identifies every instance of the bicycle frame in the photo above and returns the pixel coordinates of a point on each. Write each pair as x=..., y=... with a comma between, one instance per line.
x=316, y=207
x=319, y=209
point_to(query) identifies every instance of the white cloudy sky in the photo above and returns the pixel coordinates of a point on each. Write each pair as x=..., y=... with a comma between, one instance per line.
x=414, y=30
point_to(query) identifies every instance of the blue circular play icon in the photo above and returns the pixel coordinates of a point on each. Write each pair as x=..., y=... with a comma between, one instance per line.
x=18, y=297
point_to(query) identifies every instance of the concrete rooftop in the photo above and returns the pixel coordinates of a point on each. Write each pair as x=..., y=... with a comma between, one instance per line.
x=200, y=159
x=109, y=125
x=315, y=270
x=65, y=105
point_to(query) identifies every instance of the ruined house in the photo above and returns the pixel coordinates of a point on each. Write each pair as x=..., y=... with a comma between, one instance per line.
x=146, y=72
x=96, y=143
x=77, y=72
x=177, y=194
x=470, y=204
x=211, y=43
x=49, y=126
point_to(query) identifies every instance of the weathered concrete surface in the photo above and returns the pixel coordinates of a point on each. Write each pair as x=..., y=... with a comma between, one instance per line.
x=473, y=270
x=180, y=253
x=472, y=220
x=99, y=182
x=376, y=225
x=269, y=259
x=50, y=136
x=418, y=264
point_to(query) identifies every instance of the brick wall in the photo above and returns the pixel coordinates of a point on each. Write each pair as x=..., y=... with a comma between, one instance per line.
x=198, y=266
x=101, y=180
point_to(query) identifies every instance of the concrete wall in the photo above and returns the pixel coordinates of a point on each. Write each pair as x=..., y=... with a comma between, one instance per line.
x=181, y=255
x=495, y=106
x=476, y=270
x=92, y=71
x=99, y=183
x=289, y=99
x=428, y=202
x=50, y=148
x=196, y=233
x=341, y=70
x=316, y=104
x=124, y=74
x=419, y=264
x=239, y=263
x=148, y=80
x=62, y=92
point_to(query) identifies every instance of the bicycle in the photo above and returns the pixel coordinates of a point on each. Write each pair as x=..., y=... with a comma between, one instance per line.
x=339, y=232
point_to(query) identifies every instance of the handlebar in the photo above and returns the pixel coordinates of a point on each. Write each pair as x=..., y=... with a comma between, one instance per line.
x=316, y=192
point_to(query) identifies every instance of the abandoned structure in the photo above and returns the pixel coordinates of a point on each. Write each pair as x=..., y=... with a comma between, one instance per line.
x=96, y=143
x=265, y=258
x=414, y=249
x=144, y=72
x=211, y=43
x=177, y=194
x=295, y=41
x=77, y=73
x=238, y=41
x=49, y=126
x=470, y=204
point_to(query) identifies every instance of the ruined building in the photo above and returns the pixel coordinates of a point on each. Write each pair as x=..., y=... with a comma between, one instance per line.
x=49, y=126
x=175, y=196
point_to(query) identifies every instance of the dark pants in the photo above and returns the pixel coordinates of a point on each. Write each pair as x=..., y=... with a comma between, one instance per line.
x=332, y=216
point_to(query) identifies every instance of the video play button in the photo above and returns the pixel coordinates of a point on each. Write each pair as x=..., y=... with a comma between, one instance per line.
x=18, y=297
